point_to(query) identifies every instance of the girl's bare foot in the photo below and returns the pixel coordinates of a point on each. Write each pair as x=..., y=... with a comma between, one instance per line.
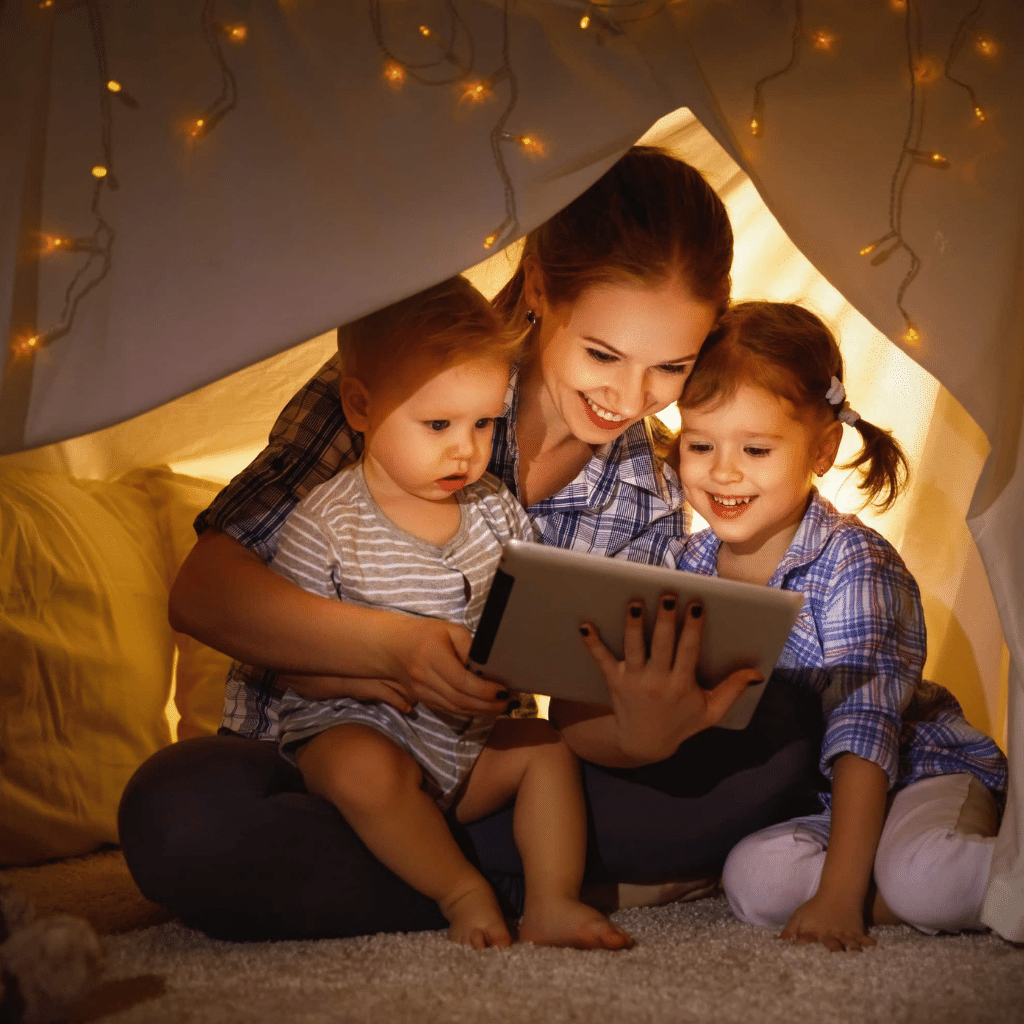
x=475, y=919
x=561, y=921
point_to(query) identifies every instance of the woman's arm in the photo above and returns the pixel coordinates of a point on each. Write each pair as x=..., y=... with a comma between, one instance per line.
x=656, y=701
x=834, y=915
x=226, y=597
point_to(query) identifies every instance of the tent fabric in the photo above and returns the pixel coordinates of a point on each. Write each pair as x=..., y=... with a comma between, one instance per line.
x=326, y=190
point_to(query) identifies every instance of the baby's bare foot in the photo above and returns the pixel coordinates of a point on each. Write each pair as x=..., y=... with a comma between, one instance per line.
x=475, y=919
x=566, y=922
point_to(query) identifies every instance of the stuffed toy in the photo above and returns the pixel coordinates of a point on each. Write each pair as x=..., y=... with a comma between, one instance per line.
x=46, y=963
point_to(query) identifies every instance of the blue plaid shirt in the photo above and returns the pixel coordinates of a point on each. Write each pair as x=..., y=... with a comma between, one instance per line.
x=621, y=504
x=859, y=644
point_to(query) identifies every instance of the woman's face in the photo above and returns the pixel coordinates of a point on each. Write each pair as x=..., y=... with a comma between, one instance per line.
x=618, y=353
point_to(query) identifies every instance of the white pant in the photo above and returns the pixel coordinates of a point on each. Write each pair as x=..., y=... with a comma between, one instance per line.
x=931, y=867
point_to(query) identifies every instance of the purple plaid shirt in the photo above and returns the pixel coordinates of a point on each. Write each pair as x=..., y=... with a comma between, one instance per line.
x=859, y=643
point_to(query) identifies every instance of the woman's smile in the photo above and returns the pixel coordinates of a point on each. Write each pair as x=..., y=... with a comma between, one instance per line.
x=600, y=416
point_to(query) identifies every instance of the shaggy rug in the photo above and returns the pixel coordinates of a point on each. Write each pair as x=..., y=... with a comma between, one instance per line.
x=693, y=963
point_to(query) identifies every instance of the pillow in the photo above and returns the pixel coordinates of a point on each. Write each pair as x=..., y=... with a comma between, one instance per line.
x=200, y=671
x=86, y=657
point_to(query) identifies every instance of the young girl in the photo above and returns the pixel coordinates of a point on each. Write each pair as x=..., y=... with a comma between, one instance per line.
x=418, y=526
x=915, y=789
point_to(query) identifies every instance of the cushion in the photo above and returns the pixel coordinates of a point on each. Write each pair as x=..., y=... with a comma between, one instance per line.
x=86, y=652
x=85, y=658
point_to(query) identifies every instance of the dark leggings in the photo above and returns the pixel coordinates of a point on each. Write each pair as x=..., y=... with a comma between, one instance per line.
x=221, y=831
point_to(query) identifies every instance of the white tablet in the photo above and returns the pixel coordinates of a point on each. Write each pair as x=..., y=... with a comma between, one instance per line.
x=529, y=632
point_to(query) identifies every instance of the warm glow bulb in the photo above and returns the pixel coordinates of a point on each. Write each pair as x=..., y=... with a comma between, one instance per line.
x=822, y=39
x=985, y=45
x=926, y=70
x=868, y=249
x=490, y=240
x=394, y=73
x=898, y=5
x=45, y=5
x=425, y=32
x=585, y=21
x=237, y=33
x=755, y=127
x=980, y=114
x=476, y=92
x=99, y=171
x=911, y=337
x=114, y=86
x=938, y=160
x=198, y=127
x=530, y=144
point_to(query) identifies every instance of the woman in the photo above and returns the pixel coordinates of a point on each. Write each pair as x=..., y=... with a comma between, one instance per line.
x=618, y=291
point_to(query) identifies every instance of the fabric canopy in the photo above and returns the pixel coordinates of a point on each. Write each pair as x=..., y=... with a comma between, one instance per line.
x=350, y=154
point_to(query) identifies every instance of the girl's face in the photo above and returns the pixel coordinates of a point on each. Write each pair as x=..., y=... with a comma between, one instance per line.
x=618, y=353
x=438, y=439
x=747, y=466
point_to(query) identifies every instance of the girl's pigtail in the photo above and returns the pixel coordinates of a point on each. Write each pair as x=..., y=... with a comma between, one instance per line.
x=882, y=464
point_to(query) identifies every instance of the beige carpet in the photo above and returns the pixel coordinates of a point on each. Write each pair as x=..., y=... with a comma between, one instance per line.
x=693, y=962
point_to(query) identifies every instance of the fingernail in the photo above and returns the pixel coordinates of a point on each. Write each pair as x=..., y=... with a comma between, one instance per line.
x=636, y=611
x=755, y=682
x=502, y=695
x=513, y=705
x=668, y=603
x=584, y=631
x=697, y=611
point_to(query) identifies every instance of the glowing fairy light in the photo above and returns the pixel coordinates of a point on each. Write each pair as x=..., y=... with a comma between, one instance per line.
x=51, y=243
x=926, y=70
x=755, y=126
x=22, y=347
x=490, y=240
x=45, y=5
x=394, y=74
x=823, y=39
x=236, y=33
x=113, y=86
x=426, y=31
x=198, y=128
x=980, y=116
x=985, y=45
x=476, y=91
x=585, y=21
x=912, y=336
x=899, y=6
x=868, y=249
x=99, y=171
x=530, y=145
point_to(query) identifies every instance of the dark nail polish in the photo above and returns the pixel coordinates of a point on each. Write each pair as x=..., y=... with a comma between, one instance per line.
x=668, y=603
x=513, y=705
x=502, y=695
x=697, y=611
x=635, y=611
x=584, y=631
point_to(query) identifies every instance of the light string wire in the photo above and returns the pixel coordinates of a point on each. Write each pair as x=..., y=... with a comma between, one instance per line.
x=457, y=30
x=757, y=111
x=954, y=51
x=227, y=98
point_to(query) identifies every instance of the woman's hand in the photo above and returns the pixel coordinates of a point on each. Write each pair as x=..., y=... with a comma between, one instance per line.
x=656, y=700
x=386, y=691
x=836, y=923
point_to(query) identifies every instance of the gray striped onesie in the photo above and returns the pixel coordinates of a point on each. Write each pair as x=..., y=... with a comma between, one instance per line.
x=338, y=543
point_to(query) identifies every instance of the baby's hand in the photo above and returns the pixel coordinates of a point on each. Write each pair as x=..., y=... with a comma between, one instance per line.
x=836, y=924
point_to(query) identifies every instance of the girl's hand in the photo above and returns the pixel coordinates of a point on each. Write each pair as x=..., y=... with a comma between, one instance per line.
x=427, y=659
x=656, y=700
x=837, y=924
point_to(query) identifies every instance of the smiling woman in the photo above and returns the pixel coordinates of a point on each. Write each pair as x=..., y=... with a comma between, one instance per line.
x=614, y=295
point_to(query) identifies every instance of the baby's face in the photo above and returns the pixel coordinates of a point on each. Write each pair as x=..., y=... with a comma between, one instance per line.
x=438, y=439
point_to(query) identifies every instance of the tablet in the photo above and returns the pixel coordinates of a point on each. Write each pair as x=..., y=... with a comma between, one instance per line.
x=529, y=632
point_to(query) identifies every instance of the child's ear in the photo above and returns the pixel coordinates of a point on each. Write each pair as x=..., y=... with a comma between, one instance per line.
x=828, y=447
x=355, y=400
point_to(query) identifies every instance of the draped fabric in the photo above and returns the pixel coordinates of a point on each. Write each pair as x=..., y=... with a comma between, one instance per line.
x=320, y=188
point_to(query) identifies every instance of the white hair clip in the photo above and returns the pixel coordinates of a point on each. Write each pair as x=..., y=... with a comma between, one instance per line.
x=836, y=395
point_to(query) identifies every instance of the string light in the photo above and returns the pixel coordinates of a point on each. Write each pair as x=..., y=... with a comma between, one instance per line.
x=926, y=69
x=912, y=336
x=394, y=74
x=425, y=31
x=872, y=246
x=45, y=5
x=477, y=91
x=22, y=347
x=757, y=113
x=927, y=157
x=198, y=128
x=99, y=171
x=490, y=240
x=823, y=39
x=899, y=6
x=585, y=21
x=985, y=45
x=113, y=86
x=236, y=33
x=980, y=115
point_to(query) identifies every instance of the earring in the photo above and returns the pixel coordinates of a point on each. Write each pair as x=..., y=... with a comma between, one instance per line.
x=531, y=317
